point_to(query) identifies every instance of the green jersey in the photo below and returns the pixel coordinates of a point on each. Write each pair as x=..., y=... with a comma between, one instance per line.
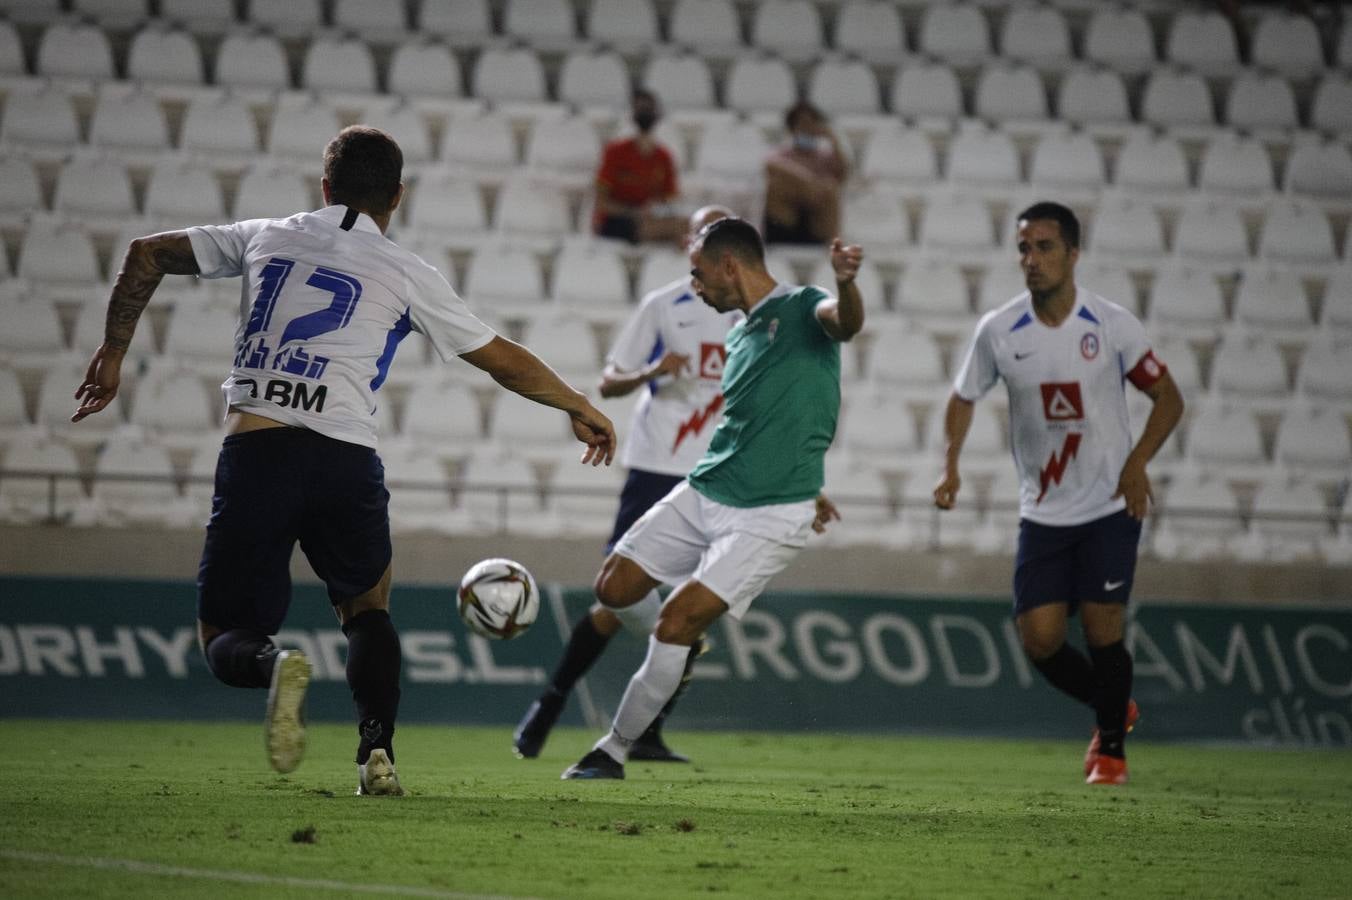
x=781, y=390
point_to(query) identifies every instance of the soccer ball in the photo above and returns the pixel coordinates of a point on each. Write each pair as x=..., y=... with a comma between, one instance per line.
x=498, y=599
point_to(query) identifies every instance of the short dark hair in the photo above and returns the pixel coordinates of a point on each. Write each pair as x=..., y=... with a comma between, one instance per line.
x=732, y=235
x=801, y=108
x=1055, y=212
x=363, y=166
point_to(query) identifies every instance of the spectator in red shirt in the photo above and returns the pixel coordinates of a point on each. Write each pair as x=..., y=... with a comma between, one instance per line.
x=636, y=183
x=803, y=181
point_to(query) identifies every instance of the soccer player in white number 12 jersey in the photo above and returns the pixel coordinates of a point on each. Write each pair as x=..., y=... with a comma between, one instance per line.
x=1065, y=356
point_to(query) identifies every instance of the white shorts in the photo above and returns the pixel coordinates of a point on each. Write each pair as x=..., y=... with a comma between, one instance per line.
x=733, y=551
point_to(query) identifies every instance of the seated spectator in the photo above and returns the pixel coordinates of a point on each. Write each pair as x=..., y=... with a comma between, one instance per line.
x=636, y=183
x=803, y=181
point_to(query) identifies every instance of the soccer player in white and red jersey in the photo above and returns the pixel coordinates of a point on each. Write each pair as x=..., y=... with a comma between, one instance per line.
x=326, y=300
x=1066, y=356
x=672, y=349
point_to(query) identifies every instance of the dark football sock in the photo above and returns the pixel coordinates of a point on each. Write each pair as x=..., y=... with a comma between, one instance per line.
x=584, y=647
x=1070, y=672
x=1112, y=682
x=373, y=662
x=242, y=658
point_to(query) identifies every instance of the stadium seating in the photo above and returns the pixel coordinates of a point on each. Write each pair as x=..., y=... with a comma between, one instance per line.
x=33, y=499
x=1214, y=182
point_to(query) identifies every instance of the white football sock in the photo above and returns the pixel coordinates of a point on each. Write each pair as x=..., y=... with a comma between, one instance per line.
x=649, y=690
x=641, y=618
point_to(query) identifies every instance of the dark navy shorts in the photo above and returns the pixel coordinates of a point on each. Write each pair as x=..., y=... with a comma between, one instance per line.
x=1073, y=564
x=641, y=490
x=277, y=486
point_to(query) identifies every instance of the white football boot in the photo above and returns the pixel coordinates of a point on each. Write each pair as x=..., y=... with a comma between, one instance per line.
x=284, y=727
x=377, y=776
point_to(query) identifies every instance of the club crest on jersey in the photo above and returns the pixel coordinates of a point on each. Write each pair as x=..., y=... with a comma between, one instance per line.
x=711, y=360
x=1089, y=345
x=1061, y=401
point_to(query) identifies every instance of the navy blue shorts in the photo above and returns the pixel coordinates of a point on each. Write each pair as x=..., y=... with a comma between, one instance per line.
x=1073, y=564
x=641, y=490
x=277, y=486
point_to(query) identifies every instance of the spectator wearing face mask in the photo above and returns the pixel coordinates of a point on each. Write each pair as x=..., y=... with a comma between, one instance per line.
x=803, y=180
x=636, y=183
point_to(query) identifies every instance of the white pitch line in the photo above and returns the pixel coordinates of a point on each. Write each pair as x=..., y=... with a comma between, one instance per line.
x=147, y=868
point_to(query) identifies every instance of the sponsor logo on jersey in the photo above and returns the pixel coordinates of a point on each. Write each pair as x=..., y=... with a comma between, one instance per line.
x=294, y=394
x=1089, y=345
x=1051, y=473
x=712, y=357
x=1061, y=401
x=698, y=419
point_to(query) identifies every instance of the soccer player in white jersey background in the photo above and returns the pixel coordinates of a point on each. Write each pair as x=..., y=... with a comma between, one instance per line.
x=672, y=347
x=1065, y=355
x=746, y=509
x=326, y=298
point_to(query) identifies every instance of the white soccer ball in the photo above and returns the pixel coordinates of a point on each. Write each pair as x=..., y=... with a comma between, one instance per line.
x=498, y=599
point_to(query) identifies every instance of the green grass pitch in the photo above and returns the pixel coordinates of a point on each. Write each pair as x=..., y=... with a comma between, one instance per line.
x=118, y=809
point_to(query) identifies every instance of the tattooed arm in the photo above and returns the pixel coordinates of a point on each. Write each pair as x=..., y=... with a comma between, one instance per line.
x=147, y=261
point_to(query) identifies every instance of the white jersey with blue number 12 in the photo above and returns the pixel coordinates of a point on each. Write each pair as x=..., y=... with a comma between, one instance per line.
x=675, y=416
x=326, y=299
x=1067, y=400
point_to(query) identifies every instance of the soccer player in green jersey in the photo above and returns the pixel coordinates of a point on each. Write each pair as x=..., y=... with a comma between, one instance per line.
x=748, y=506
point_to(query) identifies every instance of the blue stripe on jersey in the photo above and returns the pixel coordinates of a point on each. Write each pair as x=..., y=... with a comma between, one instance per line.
x=653, y=356
x=683, y=298
x=1084, y=313
x=1025, y=319
x=397, y=333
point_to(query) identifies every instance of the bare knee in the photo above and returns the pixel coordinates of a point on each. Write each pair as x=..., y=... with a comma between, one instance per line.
x=604, y=621
x=679, y=626
x=1038, y=647
x=621, y=583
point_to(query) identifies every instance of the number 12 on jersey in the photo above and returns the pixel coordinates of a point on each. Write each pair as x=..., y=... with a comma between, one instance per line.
x=290, y=355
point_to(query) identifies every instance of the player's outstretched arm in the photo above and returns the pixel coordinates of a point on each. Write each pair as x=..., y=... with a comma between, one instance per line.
x=1134, y=483
x=957, y=422
x=522, y=372
x=147, y=261
x=843, y=318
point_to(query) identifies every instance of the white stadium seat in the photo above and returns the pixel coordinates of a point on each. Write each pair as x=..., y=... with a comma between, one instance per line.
x=680, y=82
x=1120, y=38
x=39, y=119
x=57, y=254
x=482, y=141
x=11, y=50
x=30, y=325
x=161, y=55
x=568, y=344
x=1091, y=97
x=466, y=22
x=1153, y=163
x=1313, y=438
x=543, y=23
x=957, y=34
x=205, y=17
x=1272, y=298
x=870, y=29
x=74, y=50
x=1177, y=99
x=1067, y=161
x=509, y=75
x=926, y=90
x=13, y=414
x=444, y=417
x=1010, y=94
x=503, y=276
x=1248, y=369
x=1336, y=314
x=791, y=29
x=252, y=60
x=219, y=125
x=1202, y=39
x=710, y=26
x=94, y=189
x=1320, y=171
x=627, y=24
x=1199, y=520
x=1324, y=372
x=1211, y=232
x=595, y=78
x=287, y=18
x=1331, y=107
x=28, y=499
x=420, y=491
x=897, y=153
x=844, y=87
x=424, y=68
x=1037, y=35
x=175, y=406
x=300, y=130
x=1261, y=102
x=1235, y=164
x=930, y=287
x=1126, y=227
x=129, y=122
x=1290, y=519
x=1296, y=232
x=202, y=334
x=1289, y=44
x=1186, y=296
x=343, y=65
x=977, y=156
x=406, y=125
x=875, y=218
x=117, y=501
x=1223, y=435
x=957, y=221
x=760, y=84
x=267, y=193
x=531, y=209
x=374, y=20
x=182, y=195
x=20, y=191
x=590, y=278
x=501, y=494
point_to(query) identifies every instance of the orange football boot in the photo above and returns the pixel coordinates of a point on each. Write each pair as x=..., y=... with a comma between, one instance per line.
x=1091, y=755
x=1108, y=770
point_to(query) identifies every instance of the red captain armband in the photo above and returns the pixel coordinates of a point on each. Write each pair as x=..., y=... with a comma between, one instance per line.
x=1148, y=371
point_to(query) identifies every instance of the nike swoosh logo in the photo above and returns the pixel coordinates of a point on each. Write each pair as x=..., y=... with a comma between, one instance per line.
x=1113, y=585
x=1024, y=355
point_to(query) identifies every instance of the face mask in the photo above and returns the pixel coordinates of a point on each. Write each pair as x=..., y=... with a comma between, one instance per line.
x=645, y=120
